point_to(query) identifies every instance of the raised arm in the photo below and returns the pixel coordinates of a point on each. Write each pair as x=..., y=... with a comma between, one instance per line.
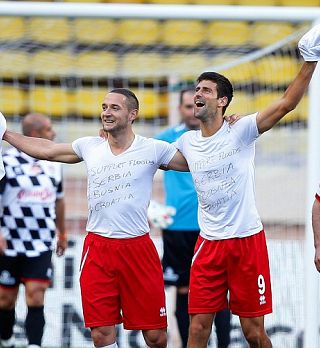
x=316, y=232
x=42, y=148
x=292, y=96
x=309, y=46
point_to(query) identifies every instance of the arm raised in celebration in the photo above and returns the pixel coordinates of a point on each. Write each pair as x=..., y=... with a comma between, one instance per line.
x=309, y=46
x=292, y=96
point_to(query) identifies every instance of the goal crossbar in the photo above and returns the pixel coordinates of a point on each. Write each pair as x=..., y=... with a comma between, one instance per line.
x=142, y=11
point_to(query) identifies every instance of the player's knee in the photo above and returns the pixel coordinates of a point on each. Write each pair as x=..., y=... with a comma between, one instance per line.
x=102, y=336
x=254, y=336
x=199, y=329
x=98, y=338
x=7, y=302
x=35, y=300
x=35, y=296
x=155, y=338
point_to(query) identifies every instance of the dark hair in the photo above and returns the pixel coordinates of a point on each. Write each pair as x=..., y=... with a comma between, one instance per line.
x=183, y=91
x=224, y=86
x=132, y=100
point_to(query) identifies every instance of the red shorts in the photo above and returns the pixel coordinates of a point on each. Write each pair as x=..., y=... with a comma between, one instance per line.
x=121, y=281
x=237, y=265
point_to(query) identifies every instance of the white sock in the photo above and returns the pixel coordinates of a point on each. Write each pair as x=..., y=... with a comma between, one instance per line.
x=113, y=345
x=33, y=346
x=8, y=343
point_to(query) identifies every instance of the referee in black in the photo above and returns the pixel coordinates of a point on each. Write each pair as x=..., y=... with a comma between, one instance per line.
x=32, y=208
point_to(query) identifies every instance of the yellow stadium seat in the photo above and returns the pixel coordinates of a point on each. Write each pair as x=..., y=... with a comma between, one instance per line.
x=265, y=98
x=169, y=2
x=299, y=3
x=219, y=59
x=12, y=28
x=126, y=1
x=300, y=113
x=14, y=64
x=94, y=31
x=152, y=103
x=90, y=1
x=303, y=108
x=267, y=33
x=185, y=65
x=213, y=2
x=240, y=73
x=183, y=32
x=276, y=70
x=12, y=100
x=47, y=63
x=101, y=64
x=50, y=30
x=53, y=101
x=257, y=2
x=142, y=65
x=228, y=65
x=228, y=33
x=138, y=32
x=87, y=101
x=242, y=103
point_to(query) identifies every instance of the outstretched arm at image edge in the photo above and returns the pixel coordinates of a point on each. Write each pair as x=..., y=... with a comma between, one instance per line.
x=316, y=232
x=42, y=148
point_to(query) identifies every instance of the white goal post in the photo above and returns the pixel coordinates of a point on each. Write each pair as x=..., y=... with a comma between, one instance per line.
x=234, y=13
x=143, y=11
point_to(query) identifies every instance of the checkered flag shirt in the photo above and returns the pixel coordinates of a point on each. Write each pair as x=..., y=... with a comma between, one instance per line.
x=28, y=193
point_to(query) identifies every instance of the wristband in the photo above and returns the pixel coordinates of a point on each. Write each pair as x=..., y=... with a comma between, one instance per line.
x=62, y=237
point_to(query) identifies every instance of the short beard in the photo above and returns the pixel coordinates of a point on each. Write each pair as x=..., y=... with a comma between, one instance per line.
x=194, y=127
x=115, y=130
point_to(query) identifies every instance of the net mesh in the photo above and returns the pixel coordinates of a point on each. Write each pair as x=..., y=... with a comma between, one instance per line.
x=63, y=67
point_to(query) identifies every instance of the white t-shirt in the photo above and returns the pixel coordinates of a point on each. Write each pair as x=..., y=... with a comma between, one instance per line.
x=119, y=187
x=3, y=127
x=222, y=167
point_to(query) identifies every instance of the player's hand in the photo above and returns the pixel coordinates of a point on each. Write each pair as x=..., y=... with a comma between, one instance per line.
x=317, y=260
x=3, y=244
x=231, y=119
x=160, y=215
x=103, y=134
x=62, y=244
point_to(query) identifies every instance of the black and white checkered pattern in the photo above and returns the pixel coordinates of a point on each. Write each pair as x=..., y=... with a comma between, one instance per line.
x=28, y=194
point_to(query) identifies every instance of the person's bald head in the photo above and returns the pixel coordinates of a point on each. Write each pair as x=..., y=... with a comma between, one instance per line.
x=37, y=125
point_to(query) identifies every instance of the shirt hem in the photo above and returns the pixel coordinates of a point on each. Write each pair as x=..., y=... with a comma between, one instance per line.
x=231, y=236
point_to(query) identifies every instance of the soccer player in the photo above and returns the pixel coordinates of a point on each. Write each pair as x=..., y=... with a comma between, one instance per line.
x=32, y=205
x=120, y=273
x=180, y=237
x=231, y=253
x=316, y=228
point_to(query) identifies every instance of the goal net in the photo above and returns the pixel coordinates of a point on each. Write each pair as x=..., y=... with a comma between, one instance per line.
x=63, y=66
